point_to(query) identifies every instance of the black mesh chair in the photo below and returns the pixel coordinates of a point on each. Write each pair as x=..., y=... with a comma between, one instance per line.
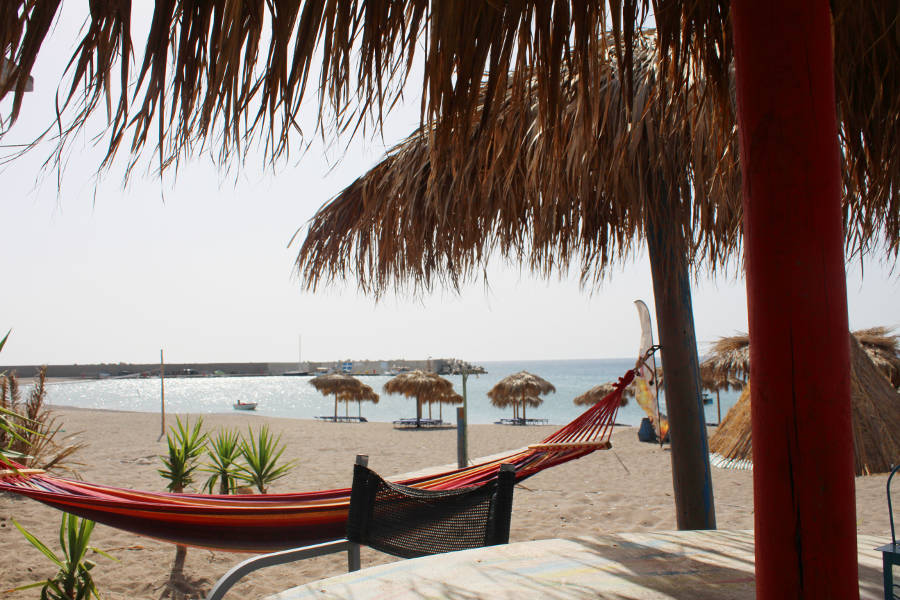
x=404, y=521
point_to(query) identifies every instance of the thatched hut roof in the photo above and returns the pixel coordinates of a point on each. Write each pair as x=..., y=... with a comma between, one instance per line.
x=883, y=348
x=338, y=383
x=416, y=218
x=364, y=394
x=599, y=392
x=419, y=384
x=728, y=362
x=520, y=387
x=220, y=80
x=875, y=416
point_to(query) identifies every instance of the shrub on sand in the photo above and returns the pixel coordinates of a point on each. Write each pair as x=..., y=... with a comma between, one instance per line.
x=262, y=454
x=223, y=453
x=73, y=579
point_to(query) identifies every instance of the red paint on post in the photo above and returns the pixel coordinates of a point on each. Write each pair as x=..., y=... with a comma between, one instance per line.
x=797, y=301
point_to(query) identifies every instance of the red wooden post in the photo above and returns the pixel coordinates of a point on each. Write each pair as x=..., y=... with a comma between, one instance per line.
x=797, y=301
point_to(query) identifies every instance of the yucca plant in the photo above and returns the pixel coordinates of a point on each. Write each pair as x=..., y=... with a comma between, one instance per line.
x=224, y=451
x=262, y=454
x=73, y=581
x=186, y=444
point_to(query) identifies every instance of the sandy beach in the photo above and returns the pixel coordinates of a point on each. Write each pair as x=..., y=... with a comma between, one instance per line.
x=627, y=489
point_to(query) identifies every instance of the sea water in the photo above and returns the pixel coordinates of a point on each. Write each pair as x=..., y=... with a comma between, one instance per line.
x=294, y=397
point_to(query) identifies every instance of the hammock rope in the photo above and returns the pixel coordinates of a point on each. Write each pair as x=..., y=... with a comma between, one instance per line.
x=264, y=523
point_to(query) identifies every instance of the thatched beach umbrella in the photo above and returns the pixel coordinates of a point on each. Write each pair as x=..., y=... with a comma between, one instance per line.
x=451, y=398
x=364, y=394
x=875, y=416
x=599, y=392
x=419, y=385
x=520, y=389
x=344, y=387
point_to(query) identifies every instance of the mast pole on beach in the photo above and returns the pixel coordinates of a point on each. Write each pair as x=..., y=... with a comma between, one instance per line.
x=162, y=395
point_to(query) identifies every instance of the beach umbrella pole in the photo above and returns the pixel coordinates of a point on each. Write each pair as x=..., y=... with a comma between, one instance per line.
x=803, y=484
x=691, y=477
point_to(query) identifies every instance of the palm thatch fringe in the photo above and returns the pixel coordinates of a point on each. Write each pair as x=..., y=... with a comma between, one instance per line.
x=225, y=74
x=539, y=196
x=875, y=417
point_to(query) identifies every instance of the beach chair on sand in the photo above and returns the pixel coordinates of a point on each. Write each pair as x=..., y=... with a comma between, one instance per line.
x=404, y=521
x=890, y=553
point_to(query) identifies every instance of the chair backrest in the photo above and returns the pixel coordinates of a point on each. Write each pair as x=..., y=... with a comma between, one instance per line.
x=410, y=522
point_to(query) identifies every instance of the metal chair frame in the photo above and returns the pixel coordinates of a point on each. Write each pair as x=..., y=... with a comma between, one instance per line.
x=236, y=573
x=890, y=553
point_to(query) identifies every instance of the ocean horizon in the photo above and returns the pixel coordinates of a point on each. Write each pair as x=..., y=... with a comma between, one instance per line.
x=293, y=397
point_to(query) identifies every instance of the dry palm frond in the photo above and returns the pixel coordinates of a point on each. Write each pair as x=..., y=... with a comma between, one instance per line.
x=540, y=196
x=226, y=73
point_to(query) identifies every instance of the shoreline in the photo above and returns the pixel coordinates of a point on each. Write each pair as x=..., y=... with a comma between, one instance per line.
x=625, y=489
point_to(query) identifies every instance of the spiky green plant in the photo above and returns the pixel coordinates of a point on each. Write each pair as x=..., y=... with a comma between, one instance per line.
x=262, y=454
x=223, y=452
x=73, y=580
x=186, y=444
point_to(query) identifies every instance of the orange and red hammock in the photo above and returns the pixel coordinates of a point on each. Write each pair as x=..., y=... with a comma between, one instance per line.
x=280, y=521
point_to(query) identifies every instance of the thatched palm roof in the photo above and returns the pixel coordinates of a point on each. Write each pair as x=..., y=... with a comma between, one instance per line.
x=540, y=197
x=424, y=387
x=883, y=348
x=218, y=76
x=515, y=387
x=344, y=387
x=599, y=392
x=875, y=415
x=728, y=364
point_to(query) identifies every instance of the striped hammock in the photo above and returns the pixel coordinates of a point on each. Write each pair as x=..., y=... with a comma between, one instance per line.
x=265, y=523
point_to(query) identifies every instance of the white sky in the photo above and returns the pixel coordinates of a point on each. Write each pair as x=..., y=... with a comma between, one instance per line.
x=200, y=267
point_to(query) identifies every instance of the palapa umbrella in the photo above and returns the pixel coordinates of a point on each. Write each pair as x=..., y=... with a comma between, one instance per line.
x=344, y=387
x=875, y=416
x=520, y=388
x=422, y=386
x=365, y=394
x=599, y=392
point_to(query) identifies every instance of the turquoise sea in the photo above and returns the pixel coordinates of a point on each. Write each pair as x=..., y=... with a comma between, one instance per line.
x=294, y=397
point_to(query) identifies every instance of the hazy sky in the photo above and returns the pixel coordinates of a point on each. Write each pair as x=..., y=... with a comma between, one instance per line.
x=200, y=267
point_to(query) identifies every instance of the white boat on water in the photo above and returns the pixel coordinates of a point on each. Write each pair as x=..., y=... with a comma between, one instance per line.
x=244, y=405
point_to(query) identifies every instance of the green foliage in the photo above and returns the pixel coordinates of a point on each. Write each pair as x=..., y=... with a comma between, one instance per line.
x=73, y=581
x=186, y=444
x=29, y=433
x=262, y=454
x=223, y=455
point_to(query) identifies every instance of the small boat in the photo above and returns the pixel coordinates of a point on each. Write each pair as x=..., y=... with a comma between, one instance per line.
x=244, y=405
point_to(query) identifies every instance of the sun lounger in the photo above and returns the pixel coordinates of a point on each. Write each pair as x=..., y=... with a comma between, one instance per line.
x=342, y=419
x=413, y=423
x=522, y=422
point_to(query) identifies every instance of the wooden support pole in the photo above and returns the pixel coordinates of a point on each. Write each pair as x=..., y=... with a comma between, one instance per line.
x=803, y=483
x=691, y=477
